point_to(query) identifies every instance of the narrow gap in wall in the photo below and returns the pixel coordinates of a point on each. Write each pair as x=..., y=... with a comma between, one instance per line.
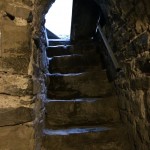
x=58, y=19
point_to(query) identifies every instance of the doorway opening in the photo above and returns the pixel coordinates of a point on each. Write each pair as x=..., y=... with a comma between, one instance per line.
x=58, y=19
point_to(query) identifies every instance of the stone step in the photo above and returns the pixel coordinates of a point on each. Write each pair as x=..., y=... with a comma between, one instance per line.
x=55, y=42
x=85, y=47
x=15, y=110
x=87, y=84
x=86, y=138
x=86, y=111
x=59, y=50
x=63, y=95
x=73, y=63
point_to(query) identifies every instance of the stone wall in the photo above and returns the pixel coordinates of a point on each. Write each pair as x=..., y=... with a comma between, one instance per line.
x=127, y=30
x=22, y=68
x=23, y=64
x=16, y=83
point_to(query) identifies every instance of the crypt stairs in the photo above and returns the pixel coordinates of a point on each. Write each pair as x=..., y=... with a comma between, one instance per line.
x=81, y=110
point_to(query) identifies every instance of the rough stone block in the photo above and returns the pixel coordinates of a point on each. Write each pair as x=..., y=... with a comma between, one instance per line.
x=26, y=2
x=148, y=102
x=144, y=65
x=142, y=131
x=138, y=107
x=15, y=65
x=15, y=110
x=138, y=45
x=15, y=84
x=140, y=83
x=124, y=7
x=1, y=5
x=17, y=11
x=19, y=137
x=16, y=51
x=15, y=39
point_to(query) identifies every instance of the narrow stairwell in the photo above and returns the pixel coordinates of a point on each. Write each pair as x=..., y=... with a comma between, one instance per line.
x=81, y=107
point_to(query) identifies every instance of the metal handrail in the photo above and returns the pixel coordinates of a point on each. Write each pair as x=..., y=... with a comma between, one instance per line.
x=109, y=50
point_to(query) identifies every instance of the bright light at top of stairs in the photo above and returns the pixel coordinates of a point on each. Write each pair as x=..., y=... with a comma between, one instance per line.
x=58, y=18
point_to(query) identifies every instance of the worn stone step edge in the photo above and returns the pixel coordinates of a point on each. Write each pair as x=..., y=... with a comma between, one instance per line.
x=68, y=56
x=60, y=46
x=92, y=138
x=63, y=75
x=73, y=100
x=87, y=129
x=75, y=130
x=95, y=69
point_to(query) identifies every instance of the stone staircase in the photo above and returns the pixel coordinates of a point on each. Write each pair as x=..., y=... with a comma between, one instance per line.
x=81, y=108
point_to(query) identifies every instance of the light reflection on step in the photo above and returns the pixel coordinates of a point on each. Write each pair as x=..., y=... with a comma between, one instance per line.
x=49, y=58
x=90, y=100
x=75, y=131
x=65, y=56
x=60, y=46
x=68, y=74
